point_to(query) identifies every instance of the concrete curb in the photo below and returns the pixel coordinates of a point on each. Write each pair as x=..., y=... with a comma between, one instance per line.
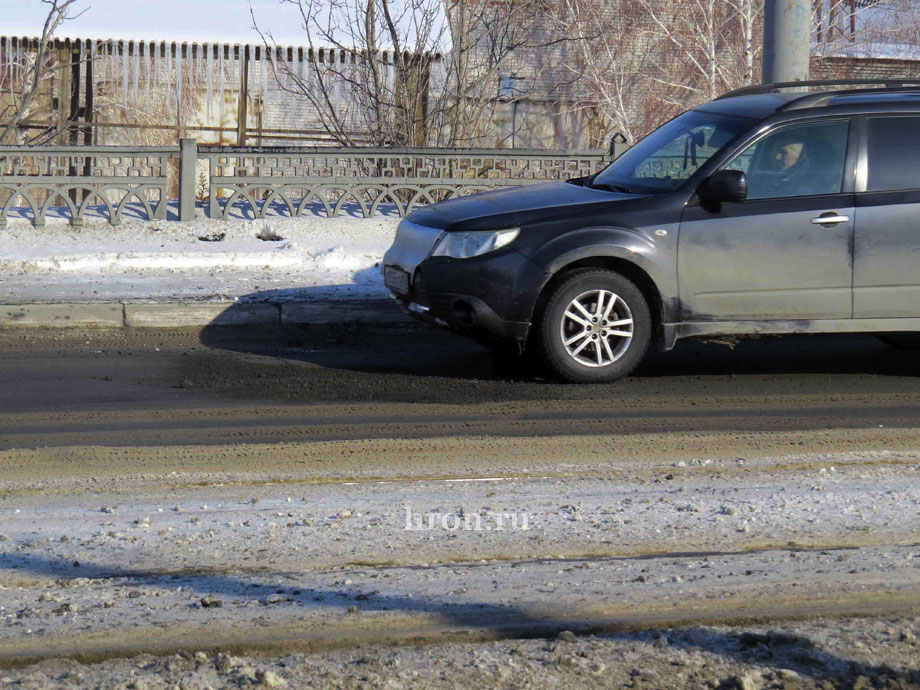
x=101, y=315
x=196, y=314
x=178, y=315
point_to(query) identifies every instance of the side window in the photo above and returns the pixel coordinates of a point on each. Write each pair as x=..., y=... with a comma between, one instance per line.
x=894, y=152
x=801, y=160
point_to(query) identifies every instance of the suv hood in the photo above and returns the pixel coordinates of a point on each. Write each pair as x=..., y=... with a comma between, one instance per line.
x=514, y=206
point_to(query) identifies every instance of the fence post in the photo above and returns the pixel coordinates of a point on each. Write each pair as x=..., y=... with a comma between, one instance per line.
x=188, y=163
x=618, y=146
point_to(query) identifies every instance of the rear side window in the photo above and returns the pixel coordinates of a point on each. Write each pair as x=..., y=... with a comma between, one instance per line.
x=894, y=153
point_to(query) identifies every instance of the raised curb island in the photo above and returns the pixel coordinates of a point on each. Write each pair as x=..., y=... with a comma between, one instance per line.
x=190, y=314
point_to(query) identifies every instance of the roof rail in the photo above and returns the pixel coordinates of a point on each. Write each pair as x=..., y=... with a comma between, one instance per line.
x=756, y=89
x=814, y=100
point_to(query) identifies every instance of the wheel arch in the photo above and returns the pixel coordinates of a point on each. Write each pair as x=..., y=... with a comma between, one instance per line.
x=628, y=269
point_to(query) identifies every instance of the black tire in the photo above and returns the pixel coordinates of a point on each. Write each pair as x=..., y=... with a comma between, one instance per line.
x=554, y=327
x=902, y=341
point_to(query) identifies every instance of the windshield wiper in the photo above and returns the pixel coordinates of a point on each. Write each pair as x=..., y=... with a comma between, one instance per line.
x=612, y=187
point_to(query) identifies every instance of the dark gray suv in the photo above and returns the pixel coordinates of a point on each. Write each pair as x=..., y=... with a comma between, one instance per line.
x=764, y=211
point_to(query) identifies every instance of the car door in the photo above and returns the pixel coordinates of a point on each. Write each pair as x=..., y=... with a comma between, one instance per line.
x=886, y=262
x=785, y=252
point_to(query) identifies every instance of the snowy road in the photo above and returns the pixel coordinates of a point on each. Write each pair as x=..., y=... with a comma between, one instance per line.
x=317, y=561
x=200, y=491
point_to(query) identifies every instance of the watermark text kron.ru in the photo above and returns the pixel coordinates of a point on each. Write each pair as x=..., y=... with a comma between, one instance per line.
x=462, y=520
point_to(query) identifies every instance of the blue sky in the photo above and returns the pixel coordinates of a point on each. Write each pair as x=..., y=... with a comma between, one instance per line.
x=179, y=20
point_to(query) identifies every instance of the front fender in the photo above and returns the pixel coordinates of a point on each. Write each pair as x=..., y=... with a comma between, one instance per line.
x=587, y=243
x=656, y=258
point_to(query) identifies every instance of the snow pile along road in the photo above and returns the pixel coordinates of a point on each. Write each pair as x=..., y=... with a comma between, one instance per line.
x=276, y=259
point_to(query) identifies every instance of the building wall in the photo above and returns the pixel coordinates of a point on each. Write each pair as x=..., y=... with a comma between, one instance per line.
x=864, y=68
x=145, y=84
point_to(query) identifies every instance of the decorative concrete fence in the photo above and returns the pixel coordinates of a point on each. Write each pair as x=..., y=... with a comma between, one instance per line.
x=254, y=182
x=78, y=177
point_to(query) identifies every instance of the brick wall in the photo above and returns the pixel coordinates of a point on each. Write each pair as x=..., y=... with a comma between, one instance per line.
x=864, y=68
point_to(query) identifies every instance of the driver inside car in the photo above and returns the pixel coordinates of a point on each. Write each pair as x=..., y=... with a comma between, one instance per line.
x=797, y=166
x=789, y=155
x=794, y=163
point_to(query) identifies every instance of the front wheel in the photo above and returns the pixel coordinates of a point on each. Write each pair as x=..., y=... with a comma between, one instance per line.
x=595, y=327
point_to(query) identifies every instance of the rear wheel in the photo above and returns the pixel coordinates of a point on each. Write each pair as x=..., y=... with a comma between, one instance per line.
x=595, y=327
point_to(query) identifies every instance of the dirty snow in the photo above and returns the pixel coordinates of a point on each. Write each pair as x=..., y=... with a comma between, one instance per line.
x=276, y=259
x=853, y=653
x=218, y=564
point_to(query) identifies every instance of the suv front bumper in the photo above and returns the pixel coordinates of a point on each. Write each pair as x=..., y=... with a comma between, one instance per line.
x=466, y=314
x=490, y=296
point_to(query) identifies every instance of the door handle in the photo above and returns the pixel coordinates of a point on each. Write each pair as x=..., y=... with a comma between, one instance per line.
x=830, y=219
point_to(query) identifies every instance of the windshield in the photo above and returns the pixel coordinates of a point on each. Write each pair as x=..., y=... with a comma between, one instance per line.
x=667, y=157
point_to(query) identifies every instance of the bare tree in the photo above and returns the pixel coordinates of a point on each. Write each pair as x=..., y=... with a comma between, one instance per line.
x=368, y=68
x=409, y=72
x=28, y=71
x=612, y=66
x=641, y=62
x=519, y=42
x=713, y=46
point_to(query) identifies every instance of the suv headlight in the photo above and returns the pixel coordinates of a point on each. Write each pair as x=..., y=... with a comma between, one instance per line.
x=464, y=245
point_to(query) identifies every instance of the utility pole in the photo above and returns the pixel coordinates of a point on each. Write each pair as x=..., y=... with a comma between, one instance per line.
x=786, y=40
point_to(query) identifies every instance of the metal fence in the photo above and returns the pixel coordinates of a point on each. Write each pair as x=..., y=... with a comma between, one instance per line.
x=254, y=182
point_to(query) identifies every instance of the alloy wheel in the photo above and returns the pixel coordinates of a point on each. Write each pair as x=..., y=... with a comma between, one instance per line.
x=596, y=328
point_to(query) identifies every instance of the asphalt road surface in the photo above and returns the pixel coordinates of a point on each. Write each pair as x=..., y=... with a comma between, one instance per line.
x=225, y=385
x=145, y=475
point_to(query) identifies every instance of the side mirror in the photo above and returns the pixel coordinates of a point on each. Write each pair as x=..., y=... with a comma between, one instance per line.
x=723, y=186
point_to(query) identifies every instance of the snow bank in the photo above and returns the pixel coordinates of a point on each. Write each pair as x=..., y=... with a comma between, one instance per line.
x=203, y=260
